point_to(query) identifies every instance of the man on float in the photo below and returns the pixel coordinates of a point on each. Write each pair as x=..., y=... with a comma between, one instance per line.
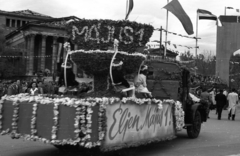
x=70, y=76
x=119, y=82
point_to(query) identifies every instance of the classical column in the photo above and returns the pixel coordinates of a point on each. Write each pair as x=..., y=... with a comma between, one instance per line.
x=10, y=22
x=27, y=54
x=31, y=53
x=43, y=52
x=54, y=54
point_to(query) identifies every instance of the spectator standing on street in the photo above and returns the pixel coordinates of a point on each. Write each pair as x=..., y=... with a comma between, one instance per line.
x=221, y=101
x=232, y=102
x=213, y=94
x=225, y=92
x=206, y=97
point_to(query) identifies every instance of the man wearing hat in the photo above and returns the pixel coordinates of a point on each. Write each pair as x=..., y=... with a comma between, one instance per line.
x=140, y=82
x=69, y=76
x=119, y=81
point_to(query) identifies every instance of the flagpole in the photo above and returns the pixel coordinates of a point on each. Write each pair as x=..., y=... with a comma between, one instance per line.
x=225, y=11
x=165, y=49
x=126, y=7
x=196, y=35
x=160, y=46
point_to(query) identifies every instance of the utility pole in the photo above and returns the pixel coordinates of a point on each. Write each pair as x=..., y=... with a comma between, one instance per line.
x=160, y=45
x=165, y=49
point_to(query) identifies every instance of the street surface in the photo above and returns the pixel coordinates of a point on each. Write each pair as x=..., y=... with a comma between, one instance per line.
x=217, y=138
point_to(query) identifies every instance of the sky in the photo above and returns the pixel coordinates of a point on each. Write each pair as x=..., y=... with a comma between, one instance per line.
x=144, y=11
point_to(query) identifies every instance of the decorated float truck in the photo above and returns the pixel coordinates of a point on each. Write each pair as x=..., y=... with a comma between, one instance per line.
x=101, y=119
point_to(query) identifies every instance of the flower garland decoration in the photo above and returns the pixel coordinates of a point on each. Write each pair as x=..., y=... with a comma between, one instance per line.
x=14, y=134
x=88, y=127
x=33, y=120
x=102, y=119
x=179, y=116
x=55, y=122
x=77, y=122
x=99, y=34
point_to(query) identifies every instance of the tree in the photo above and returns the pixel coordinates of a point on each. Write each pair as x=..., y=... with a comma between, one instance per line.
x=205, y=63
x=234, y=71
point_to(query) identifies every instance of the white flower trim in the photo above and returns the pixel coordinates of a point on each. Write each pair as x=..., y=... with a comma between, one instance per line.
x=107, y=51
x=15, y=117
x=179, y=115
x=87, y=31
x=33, y=120
x=55, y=121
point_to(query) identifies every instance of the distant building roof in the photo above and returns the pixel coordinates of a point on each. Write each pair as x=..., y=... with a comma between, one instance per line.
x=52, y=22
x=27, y=13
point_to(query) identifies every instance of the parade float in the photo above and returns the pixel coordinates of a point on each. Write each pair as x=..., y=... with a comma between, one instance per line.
x=101, y=118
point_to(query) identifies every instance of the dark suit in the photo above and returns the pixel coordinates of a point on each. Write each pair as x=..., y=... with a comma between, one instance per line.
x=118, y=78
x=221, y=101
x=69, y=76
x=120, y=82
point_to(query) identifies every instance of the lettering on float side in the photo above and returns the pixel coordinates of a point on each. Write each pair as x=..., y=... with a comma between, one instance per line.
x=124, y=120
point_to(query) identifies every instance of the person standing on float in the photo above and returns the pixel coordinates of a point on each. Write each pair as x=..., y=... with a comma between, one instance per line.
x=232, y=101
x=119, y=80
x=140, y=82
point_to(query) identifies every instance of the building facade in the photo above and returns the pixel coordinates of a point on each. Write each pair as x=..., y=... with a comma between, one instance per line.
x=43, y=41
x=228, y=41
x=39, y=37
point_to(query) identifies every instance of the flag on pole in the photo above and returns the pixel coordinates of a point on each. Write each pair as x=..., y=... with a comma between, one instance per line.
x=129, y=8
x=237, y=10
x=207, y=15
x=175, y=8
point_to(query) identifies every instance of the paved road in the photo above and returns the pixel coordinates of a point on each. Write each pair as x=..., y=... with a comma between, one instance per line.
x=217, y=138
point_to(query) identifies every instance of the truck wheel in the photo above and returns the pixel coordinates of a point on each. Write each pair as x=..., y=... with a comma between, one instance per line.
x=194, y=130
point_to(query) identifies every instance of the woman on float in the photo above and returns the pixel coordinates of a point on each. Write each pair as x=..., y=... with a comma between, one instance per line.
x=140, y=82
x=34, y=89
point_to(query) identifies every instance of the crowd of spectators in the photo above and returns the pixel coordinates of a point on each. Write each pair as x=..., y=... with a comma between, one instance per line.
x=197, y=80
x=35, y=86
x=12, y=87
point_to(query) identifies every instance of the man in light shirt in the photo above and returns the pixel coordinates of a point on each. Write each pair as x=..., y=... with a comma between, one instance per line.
x=232, y=101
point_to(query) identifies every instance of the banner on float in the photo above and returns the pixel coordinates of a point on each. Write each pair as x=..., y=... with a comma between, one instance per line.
x=133, y=124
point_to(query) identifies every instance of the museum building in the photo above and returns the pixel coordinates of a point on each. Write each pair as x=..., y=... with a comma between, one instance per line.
x=39, y=37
